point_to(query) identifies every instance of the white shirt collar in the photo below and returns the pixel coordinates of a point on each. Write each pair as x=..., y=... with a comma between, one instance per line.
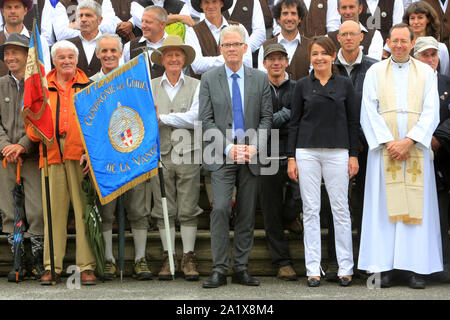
x=159, y=3
x=400, y=64
x=165, y=79
x=363, y=29
x=148, y=42
x=357, y=61
x=281, y=38
x=95, y=39
x=212, y=26
x=23, y=32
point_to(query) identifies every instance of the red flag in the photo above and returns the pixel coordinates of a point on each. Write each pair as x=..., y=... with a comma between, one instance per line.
x=36, y=108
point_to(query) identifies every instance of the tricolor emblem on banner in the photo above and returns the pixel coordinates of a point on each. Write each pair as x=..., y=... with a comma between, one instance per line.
x=119, y=129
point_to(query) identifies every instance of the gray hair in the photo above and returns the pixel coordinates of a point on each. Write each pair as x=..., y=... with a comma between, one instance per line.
x=108, y=36
x=63, y=44
x=358, y=2
x=90, y=4
x=161, y=13
x=233, y=28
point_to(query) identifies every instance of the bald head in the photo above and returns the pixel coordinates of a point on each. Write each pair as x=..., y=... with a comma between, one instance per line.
x=350, y=24
x=350, y=36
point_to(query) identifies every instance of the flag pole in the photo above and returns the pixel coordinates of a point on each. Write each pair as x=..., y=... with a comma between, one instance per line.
x=44, y=154
x=121, y=217
x=170, y=250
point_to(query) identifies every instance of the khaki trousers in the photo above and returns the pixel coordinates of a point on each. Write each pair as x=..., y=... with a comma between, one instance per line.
x=182, y=185
x=134, y=204
x=65, y=187
x=33, y=196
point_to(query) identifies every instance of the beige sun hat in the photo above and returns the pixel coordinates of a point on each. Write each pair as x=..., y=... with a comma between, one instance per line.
x=173, y=41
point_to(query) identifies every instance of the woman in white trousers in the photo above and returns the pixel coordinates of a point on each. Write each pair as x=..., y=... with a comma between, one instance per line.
x=323, y=143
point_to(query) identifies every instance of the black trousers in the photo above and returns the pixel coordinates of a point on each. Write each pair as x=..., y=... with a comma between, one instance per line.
x=279, y=208
x=444, y=200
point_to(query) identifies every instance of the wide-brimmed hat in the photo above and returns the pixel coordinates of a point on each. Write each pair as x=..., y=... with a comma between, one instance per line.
x=14, y=39
x=173, y=41
x=424, y=43
x=226, y=5
x=28, y=4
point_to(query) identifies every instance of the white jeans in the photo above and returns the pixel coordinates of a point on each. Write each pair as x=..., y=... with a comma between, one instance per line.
x=332, y=165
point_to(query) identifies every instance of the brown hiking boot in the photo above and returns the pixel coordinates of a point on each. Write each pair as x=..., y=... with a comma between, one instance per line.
x=141, y=270
x=287, y=273
x=46, y=278
x=189, y=267
x=165, y=274
x=88, y=277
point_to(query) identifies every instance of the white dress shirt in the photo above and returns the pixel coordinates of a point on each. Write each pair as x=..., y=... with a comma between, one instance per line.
x=202, y=64
x=397, y=14
x=290, y=47
x=333, y=17
x=126, y=48
x=194, y=13
x=376, y=46
x=61, y=24
x=183, y=120
x=89, y=46
x=137, y=11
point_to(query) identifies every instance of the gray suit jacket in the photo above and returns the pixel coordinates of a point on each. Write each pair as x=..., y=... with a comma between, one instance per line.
x=216, y=112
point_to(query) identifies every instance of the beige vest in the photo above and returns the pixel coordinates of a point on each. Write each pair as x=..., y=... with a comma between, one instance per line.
x=181, y=103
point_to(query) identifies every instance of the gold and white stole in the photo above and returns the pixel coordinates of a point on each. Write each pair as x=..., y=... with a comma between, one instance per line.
x=404, y=188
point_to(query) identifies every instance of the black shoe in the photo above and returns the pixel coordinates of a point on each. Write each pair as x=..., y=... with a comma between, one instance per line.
x=216, y=280
x=416, y=281
x=387, y=279
x=17, y=277
x=313, y=282
x=344, y=281
x=243, y=277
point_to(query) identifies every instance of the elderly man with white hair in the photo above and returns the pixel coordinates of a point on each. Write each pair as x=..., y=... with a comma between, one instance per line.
x=65, y=157
x=177, y=97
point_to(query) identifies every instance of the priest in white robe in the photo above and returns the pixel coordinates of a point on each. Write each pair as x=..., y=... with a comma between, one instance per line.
x=399, y=113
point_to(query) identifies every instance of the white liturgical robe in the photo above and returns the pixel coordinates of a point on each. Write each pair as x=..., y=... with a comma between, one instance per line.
x=384, y=245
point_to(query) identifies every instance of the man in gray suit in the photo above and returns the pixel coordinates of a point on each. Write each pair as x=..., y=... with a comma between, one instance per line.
x=230, y=113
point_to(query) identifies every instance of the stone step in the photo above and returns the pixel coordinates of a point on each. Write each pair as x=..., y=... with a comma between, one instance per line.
x=259, y=264
x=259, y=261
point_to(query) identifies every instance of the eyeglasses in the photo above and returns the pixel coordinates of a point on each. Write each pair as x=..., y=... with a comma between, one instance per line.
x=230, y=45
x=351, y=34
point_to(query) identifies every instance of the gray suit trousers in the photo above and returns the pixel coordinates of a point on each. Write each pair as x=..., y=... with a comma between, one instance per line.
x=223, y=181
